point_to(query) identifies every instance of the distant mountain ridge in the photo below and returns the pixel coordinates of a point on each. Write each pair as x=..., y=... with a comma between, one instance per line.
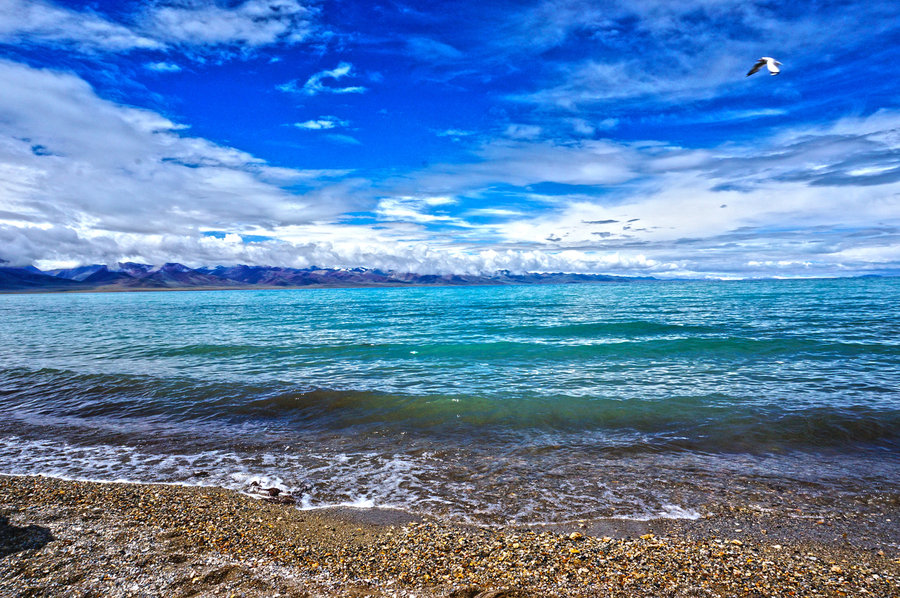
x=133, y=276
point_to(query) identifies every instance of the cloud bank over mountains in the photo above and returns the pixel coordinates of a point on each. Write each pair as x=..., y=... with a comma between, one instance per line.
x=572, y=168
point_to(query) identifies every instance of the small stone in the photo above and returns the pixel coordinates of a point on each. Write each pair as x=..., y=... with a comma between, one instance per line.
x=576, y=536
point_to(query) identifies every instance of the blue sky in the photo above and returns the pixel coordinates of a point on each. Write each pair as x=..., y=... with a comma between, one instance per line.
x=617, y=137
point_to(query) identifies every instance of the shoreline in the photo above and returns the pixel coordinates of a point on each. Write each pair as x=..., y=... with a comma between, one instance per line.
x=60, y=537
x=412, y=285
x=250, y=287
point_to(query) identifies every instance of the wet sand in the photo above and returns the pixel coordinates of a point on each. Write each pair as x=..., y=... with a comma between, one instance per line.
x=64, y=538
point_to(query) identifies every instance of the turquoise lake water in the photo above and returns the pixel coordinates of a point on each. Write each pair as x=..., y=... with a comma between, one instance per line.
x=484, y=404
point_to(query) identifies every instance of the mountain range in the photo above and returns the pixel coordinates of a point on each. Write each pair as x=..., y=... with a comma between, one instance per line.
x=126, y=276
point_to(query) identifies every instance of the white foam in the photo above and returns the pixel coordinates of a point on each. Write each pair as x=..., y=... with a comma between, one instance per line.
x=666, y=512
x=426, y=483
x=361, y=503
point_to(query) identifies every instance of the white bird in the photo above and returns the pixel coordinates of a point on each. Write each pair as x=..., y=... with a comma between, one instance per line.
x=767, y=61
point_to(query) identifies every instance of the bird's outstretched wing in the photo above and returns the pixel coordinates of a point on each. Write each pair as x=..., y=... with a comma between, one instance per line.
x=759, y=64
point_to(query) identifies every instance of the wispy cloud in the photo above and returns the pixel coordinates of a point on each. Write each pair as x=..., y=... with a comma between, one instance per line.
x=324, y=82
x=520, y=131
x=432, y=50
x=669, y=52
x=251, y=23
x=457, y=133
x=412, y=209
x=345, y=139
x=322, y=123
x=175, y=24
x=36, y=22
x=162, y=67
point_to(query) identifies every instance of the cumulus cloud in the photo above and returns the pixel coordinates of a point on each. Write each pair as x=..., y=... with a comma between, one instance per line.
x=90, y=180
x=376, y=251
x=73, y=160
x=804, y=202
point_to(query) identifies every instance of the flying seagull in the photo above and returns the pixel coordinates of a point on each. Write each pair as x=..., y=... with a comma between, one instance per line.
x=769, y=63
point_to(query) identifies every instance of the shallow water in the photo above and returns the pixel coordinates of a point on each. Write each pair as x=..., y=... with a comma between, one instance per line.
x=484, y=404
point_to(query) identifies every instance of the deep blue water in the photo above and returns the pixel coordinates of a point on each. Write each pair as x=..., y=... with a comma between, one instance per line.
x=529, y=403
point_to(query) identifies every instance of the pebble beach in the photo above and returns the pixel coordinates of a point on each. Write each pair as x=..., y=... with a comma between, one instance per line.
x=71, y=538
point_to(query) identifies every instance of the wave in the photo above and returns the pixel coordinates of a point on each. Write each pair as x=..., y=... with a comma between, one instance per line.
x=577, y=348
x=708, y=422
x=631, y=328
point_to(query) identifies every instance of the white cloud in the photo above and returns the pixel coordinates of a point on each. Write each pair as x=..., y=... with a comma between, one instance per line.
x=374, y=250
x=316, y=84
x=520, y=131
x=526, y=162
x=163, y=67
x=88, y=179
x=250, y=23
x=33, y=21
x=78, y=163
x=321, y=123
x=439, y=201
x=455, y=133
x=705, y=211
x=416, y=209
x=193, y=25
x=501, y=212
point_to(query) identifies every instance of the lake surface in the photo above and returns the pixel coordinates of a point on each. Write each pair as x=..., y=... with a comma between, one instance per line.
x=526, y=404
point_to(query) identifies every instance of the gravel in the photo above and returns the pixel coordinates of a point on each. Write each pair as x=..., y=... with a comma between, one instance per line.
x=68, y=538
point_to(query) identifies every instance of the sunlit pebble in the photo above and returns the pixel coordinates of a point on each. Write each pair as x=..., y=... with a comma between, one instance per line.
x=424, y=554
